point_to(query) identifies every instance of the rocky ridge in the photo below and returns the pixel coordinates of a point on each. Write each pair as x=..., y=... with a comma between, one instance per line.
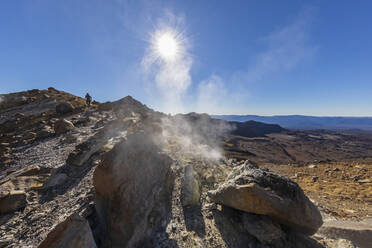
x=119, y=173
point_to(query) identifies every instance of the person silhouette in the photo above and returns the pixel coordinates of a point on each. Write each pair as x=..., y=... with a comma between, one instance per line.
x=88, y=99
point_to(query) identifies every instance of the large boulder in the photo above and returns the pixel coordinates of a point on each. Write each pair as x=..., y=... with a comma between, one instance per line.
x=132, y=185
x=64, y=108
x=74, y=232
x=63, y=126
x=253, y=190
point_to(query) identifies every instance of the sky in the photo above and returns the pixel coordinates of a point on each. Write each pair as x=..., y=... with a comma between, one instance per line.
x=219, y=57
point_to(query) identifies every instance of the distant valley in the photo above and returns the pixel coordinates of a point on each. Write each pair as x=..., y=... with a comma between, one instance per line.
x=302, y=122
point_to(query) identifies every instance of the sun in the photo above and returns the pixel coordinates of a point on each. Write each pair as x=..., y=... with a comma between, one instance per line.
x=166, y=46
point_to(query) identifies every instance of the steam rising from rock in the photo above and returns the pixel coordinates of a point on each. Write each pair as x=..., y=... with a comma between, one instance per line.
x=195, y=134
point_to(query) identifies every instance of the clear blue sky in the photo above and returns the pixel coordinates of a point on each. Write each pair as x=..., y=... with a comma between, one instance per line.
x=241, y=57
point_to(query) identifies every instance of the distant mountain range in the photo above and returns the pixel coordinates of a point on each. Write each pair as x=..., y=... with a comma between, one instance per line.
x=302, y=122
x=254, y=128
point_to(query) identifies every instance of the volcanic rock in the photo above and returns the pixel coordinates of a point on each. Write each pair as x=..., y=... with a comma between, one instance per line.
x=190, y=187
x=74, y=232
x=56, y=179
x=264, y=229
x=343, y=243
x=86, y=149
x=63, y=126
x=253, y=190
x=45, y=132
x=12, y=201
x=12, y=100
x=29, y=135
x=24, y=183
x=26, y=171
x=64, y=108
x=24, y=179
x=132, y=186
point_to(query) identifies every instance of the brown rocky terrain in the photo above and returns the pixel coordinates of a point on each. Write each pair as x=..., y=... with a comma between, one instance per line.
x=119, y=174
x=300, y=147
x=342, y=189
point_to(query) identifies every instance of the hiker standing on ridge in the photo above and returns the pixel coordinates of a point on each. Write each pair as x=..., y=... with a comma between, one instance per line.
x=88, y=99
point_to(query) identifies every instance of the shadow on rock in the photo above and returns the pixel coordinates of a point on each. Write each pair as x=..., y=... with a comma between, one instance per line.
x=230, y=226
x=240, y=229
x=194, y=219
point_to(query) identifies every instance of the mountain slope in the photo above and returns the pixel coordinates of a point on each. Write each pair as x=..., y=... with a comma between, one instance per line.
x=119, y=174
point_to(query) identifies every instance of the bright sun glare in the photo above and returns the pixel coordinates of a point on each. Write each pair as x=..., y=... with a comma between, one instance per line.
x=166, y=46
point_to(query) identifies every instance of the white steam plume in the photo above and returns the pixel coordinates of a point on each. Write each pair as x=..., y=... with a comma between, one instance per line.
x=197, y=135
